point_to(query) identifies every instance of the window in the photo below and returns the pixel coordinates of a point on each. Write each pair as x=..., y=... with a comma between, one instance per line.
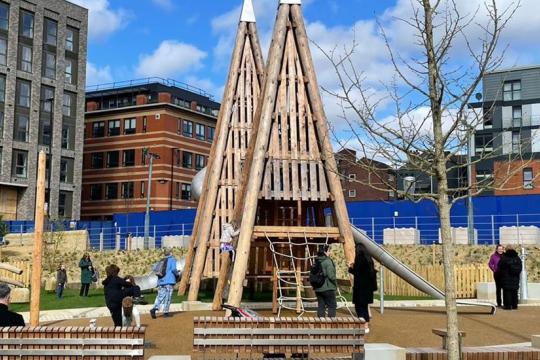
x=484, y=177
x=144, y=153
x=21, y=127
x=130, y=126
x=112, y=159
x=98, y=129
x=516, y=142
x=4, y=16
x=352, y=177
x=211, y=133
x=1, y=127
x=177, y=190
x=186, y=191
x=128, y=158
x=68, y=104
x=71, y=39
x=200, y=131
x=143, y=187
x=27, y=24
x=127, y=190
x=51, y=32
x=96, y=191
x=144, y=124
x=352, y=193
x=187, y=128
x=111, y=191
x=49, y=70
x=67, y=138
x=25, y=58
x=3, y=51
x=483, y=144
x=45, y=131
x=65, y=173
x=516, y=116
x=512, y=90
x=177, y=157
x=528, y=179
x=488, y=118
x=20, y=159
x=114, y=127
x=2, y=88
x=68, y=71
x=96, y=160
x=64, y=204
x=23, y=93
x=199, y=162
x=47, y=99
x=187, y=160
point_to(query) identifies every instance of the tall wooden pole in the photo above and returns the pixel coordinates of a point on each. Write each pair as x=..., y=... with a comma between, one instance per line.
x=256, y=167
x=322, y=130
x=225, y=262
x=213, y=173
x=35, y=284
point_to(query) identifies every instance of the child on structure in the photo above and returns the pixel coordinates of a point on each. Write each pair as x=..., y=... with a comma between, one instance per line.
x=226, y=239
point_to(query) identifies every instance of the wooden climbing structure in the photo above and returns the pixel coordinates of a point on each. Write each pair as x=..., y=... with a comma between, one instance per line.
x=228, y=153
x=291, y=189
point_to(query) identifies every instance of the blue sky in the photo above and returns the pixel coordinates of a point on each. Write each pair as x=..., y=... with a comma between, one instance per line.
x=192, y=41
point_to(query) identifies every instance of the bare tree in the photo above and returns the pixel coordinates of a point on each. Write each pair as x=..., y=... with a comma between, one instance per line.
x=432, y=121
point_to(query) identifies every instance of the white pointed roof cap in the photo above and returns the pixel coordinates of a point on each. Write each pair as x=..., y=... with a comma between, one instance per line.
x=291, y=2
x=248, y=14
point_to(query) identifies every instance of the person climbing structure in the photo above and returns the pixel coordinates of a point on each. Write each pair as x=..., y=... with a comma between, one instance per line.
x=226, y=239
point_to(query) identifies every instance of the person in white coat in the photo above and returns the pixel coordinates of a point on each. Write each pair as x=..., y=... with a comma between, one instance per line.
x=227, y=237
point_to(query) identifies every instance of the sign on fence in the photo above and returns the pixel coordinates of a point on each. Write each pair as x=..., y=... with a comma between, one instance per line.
x=466, y=278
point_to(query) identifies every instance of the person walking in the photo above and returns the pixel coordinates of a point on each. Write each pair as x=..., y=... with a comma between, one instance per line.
x=510, y=269
x=8, y=318
x=494, y=266
x=61, y=281
x=87, y=271
x=166, y=282
x=365, y=283
x=116, y=289
x=326, y=294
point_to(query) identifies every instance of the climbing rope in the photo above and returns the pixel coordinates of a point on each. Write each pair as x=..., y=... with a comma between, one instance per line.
x=291, y=279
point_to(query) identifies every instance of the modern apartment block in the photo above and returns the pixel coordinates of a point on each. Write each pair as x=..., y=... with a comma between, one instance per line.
x=124, y=124
x=510, y=131
x=42, y=79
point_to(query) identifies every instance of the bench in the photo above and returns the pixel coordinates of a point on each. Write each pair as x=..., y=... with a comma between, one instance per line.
x=443, y=333
x=80, y=342
x=271, y=338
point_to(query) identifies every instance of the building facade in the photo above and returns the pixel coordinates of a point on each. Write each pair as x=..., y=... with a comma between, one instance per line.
x=124, y=125
x=43, y=51
x=364, y=179
x=509, y=138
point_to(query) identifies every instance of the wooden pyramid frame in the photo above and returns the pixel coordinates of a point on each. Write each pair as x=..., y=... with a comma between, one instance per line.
x=290, y=161
x=224, y=171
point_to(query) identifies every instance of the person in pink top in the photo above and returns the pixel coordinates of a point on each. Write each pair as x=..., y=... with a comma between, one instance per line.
x=494, y=266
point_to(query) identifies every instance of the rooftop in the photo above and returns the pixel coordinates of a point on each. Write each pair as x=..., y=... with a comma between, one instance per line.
x=516, y=68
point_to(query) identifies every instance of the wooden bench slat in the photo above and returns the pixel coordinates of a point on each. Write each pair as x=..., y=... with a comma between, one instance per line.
x=60, y=341
x=281, y=342
x=285, y=331
x=71, y=352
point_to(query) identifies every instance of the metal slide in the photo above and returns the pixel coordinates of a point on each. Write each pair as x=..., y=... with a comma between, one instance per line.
x=397, y=267
x=150, y=280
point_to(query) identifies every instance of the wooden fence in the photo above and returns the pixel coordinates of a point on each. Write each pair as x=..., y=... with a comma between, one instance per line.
x=467, y=276
x=24, y=277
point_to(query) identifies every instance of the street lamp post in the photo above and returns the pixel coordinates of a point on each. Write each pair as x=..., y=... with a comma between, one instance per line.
x=470, y=210
x=151, y=157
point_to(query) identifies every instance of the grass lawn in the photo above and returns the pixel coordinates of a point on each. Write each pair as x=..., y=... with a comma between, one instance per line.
x=72, y=300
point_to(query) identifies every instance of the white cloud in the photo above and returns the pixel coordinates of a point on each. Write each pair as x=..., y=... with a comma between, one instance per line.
x=170, y=59
x=166, y=4
x=96, y=75
x=102, y=19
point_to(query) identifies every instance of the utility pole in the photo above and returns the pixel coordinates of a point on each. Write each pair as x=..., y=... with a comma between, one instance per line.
x=470, y=210
x=151, y=156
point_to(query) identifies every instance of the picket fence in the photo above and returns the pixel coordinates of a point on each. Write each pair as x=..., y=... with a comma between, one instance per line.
x=24, y=277
x=466, y=278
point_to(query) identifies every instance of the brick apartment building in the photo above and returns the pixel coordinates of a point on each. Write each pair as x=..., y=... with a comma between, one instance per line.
x=510, y=133
x=355, y=177
x=125, y=123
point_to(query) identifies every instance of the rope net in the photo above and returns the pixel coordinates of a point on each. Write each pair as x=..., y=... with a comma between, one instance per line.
x=288, y=257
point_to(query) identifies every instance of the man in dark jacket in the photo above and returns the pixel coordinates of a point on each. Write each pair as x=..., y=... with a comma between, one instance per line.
x=510, y=270
x=116, y=289
x=8, y=318
x=326, y=294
